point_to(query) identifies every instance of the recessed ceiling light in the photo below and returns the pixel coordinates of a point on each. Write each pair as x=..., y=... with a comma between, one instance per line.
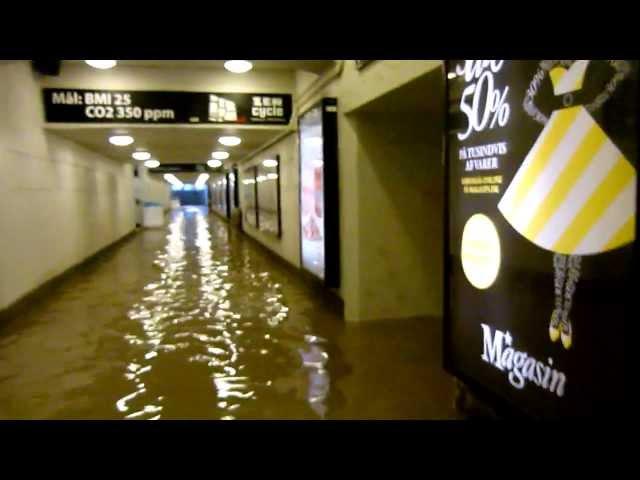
x=230, y=141
x=220, y=155
x=121, y=140
x=238, y=66
x=214, y=163
x=141, y=155
x=270, y=163
x=272, y=176
x=102, y=64
x=152, y=164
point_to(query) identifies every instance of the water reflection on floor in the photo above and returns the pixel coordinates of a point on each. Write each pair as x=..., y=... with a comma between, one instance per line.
x=196, y=321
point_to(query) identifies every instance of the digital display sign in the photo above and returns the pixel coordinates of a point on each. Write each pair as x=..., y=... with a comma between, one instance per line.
x=64, y=105
x=541, y=224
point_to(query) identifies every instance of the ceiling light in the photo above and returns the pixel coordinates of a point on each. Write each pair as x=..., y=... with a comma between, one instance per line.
x=261, y=178
x=172, y=179
x=220, y=155
x=202, y=180
x=272, y=176
x=238, y=66
x=230, y=141
x=270, y=163
x=214, y=163
x=141, y=155
x=152, y=164
x=121, y=140
x=102, y=64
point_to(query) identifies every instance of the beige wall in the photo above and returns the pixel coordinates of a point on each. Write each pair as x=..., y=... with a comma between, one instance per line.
x=288, y=246
x=59, y=203
x=400, y=215
x=390, y=183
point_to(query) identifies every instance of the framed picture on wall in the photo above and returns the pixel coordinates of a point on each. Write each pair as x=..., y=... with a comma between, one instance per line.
x=268, y=189
x=318, y=195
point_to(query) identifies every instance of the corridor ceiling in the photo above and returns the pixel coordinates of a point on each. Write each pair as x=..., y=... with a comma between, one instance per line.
x=173, y=144
x=312, y=66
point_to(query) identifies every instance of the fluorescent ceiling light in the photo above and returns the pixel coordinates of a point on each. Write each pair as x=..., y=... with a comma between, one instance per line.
x=270, y=163
x=172, y=179
x=238, y=66
x=102, y=64
x=141, y=155
x=202, y=180
x=261, y=178
x=272, y=176
x=220, y=155
x=230, y=141
x=214, y=163
x=152, y=164
x=121, y=140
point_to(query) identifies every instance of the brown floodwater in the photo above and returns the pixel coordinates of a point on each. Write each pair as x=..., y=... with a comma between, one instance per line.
x=196, y=321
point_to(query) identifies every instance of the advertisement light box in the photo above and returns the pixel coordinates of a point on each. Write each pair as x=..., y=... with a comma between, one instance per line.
x=541, y=225
x=319, y=231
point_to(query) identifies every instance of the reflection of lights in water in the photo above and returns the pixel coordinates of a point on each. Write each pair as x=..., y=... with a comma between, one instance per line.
x=187, y=319
x=314, y=359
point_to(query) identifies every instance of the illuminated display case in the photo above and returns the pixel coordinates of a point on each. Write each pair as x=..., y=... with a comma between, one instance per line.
x=319, y=213
x=540, y=226
x=268, y=191
x=219, y=194
x=250, y=197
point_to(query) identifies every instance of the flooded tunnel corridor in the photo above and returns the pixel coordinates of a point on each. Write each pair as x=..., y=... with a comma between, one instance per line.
x=196, y=321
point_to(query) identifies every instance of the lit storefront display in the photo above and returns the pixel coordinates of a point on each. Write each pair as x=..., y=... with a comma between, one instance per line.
x=268, y=186
x=319, y=192
x=541, y=223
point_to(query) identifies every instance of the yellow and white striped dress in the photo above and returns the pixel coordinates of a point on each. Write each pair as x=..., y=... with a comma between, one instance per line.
x=575, y=192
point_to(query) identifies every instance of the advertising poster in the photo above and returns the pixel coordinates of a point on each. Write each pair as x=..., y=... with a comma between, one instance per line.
x=542, y=181
x=312, y=192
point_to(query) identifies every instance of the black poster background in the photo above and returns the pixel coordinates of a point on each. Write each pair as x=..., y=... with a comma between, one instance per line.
x=521, y=299
x=184, y=104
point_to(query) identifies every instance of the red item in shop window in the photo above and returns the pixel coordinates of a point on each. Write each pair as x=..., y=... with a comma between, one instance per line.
x=311, y=230
x=318, y=191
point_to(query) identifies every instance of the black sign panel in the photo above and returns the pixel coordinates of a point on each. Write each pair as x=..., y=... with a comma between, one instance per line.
x=151, y=107
x=180, y=168
x=541, y=216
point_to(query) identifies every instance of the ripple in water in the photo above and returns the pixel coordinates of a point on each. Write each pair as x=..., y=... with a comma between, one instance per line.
x=213, y=337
